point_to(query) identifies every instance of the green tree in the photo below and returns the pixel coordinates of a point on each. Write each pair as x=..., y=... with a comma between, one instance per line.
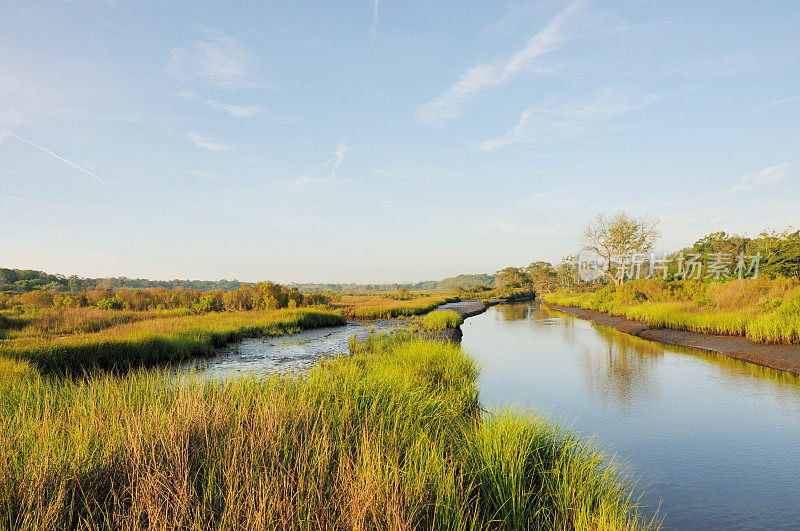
x=543, y=276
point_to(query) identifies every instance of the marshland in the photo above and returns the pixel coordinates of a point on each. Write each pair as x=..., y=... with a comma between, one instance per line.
x=298, y=408
x=399, y=265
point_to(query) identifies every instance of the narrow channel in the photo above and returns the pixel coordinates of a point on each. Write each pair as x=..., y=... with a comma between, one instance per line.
x=714, y=441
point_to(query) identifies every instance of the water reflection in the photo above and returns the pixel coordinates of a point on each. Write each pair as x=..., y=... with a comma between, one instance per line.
x=623, y=366
x=716, y=439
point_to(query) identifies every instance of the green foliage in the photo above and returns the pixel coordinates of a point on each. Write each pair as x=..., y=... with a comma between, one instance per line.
x=442, y=319
x=390, y=437
x=109, y=303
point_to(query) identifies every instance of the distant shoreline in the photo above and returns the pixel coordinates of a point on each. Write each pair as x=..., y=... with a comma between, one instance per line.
x=778, y=357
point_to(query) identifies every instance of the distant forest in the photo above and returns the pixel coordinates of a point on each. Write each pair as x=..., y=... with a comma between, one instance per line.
x=464, y=281
x=25, y=280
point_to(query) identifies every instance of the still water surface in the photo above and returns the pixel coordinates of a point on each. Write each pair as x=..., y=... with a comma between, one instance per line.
x=716, y=442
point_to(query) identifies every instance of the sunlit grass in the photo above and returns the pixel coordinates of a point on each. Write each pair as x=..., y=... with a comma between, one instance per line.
x=388, y=437
x=154, y=340
x=764, y=310
x=379, y=307
x=442, y=319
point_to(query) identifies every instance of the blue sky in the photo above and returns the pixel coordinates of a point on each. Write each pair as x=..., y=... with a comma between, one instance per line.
x=384, y=141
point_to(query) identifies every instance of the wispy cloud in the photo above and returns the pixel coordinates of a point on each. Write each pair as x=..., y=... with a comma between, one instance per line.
x=59, y=157
x=449, y=103
x=555, y=122
x=774, y=103
x=218, y=58
x=374, y=27
x=203, y=142
x=233, y=110
x=765, y=176
x=237, y=110
x=338, y=155
x=309, y=182
x=517, y=230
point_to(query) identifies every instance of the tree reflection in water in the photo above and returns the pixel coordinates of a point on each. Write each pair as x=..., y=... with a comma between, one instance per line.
x=620, y=367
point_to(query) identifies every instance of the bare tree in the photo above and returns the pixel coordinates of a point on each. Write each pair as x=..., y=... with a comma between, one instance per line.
x=620, y=235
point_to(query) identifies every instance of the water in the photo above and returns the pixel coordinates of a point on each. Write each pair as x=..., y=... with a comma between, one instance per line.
x=716, y=442
x=263, y=355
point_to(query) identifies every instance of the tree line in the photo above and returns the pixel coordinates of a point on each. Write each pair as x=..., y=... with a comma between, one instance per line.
x=262, y=296
x=22, y=280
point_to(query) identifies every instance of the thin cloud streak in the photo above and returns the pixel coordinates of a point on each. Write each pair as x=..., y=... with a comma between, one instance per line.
x=237, y=110
x=233, y=110
x=449, y=103
x=202, y=142
x=765, y=176
x=552, y=123
x=774, y=103
x=59, y=157
x=308, y=183
x=374, y=27
x=219, y=59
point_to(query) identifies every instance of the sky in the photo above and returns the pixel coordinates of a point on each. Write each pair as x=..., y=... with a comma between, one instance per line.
x=384, y=141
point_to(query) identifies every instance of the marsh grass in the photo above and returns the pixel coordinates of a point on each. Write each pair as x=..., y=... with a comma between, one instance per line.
x=388, y=437
x=366, y=307
x=442, y=319
x=764, y=310
x=126, y=343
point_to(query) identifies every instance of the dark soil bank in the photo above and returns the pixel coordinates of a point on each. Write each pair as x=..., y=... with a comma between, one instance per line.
x=780, y=357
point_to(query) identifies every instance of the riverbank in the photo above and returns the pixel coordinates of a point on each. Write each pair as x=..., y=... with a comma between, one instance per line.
x=779, y=357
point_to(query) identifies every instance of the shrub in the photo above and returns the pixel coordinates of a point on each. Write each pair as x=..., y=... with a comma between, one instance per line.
x=109, y=303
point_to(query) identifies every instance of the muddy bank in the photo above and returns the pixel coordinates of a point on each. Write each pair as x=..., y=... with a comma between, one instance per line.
x=780, y=357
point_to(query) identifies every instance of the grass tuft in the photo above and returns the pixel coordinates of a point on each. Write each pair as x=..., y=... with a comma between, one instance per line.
x=442, y=319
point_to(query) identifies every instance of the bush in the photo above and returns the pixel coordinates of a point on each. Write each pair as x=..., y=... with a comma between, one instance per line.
x=110, y=303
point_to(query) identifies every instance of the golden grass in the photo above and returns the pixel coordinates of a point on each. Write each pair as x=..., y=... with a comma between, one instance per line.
x=383, y=307
x=764, y=310
x=156, y=339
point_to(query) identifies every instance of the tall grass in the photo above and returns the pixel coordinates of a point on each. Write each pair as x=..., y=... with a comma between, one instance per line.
x=442, y=319
x=145, y=342
x=368, y=307
x=764, y=310
x=387, y=437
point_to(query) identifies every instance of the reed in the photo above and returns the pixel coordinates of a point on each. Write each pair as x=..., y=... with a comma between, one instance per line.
x=388, y=437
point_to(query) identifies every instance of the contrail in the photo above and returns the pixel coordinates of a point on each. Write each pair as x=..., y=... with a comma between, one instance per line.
x=375, y=18
x=62, y=159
